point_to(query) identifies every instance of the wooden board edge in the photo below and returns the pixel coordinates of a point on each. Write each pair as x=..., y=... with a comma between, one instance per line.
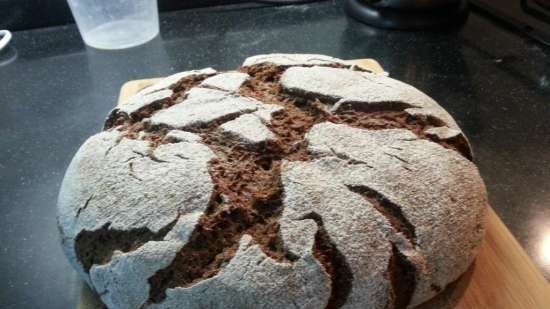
x=496, y=224
x=132, y=87
x=369, y=64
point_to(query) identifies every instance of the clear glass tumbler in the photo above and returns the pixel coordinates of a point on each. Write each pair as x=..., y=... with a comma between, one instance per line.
x=116, y=24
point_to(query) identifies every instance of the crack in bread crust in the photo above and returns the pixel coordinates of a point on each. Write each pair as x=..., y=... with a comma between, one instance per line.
x=97, y=247
x=179, y=88
x=388, y=209
x=401, y=272
x=334, y=262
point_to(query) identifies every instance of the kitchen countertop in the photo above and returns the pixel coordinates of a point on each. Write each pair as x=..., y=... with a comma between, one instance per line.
x=55, y=92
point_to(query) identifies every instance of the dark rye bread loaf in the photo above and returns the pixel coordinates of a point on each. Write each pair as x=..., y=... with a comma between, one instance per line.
x=298, y=181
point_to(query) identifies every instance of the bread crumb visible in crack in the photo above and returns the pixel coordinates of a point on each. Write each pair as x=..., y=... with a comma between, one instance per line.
x=97, y=247
x=391, y=211
x=334, y=262
x=179, y=90
x=402, y=275
x=401, y=272
x=246, y=200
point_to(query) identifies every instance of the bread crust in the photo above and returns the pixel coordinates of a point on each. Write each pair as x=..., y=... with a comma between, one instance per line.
x=296, y=182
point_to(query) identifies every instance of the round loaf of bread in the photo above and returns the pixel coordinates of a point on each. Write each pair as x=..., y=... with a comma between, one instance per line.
x=297, y=181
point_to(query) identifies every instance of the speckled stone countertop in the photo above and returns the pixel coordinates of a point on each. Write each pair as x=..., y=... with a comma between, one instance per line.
x=55, y=92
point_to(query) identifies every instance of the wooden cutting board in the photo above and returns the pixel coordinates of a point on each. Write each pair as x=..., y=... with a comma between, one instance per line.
x=502, y=277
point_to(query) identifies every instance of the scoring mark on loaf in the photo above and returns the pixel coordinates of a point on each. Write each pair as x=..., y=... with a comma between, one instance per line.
x=388, y=209
x=401, y=271
x=403, y=278
x=334, y=263
x=247, y=194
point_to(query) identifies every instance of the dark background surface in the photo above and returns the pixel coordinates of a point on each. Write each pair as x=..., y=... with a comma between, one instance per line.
x=29, y=14
x=55, y=92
